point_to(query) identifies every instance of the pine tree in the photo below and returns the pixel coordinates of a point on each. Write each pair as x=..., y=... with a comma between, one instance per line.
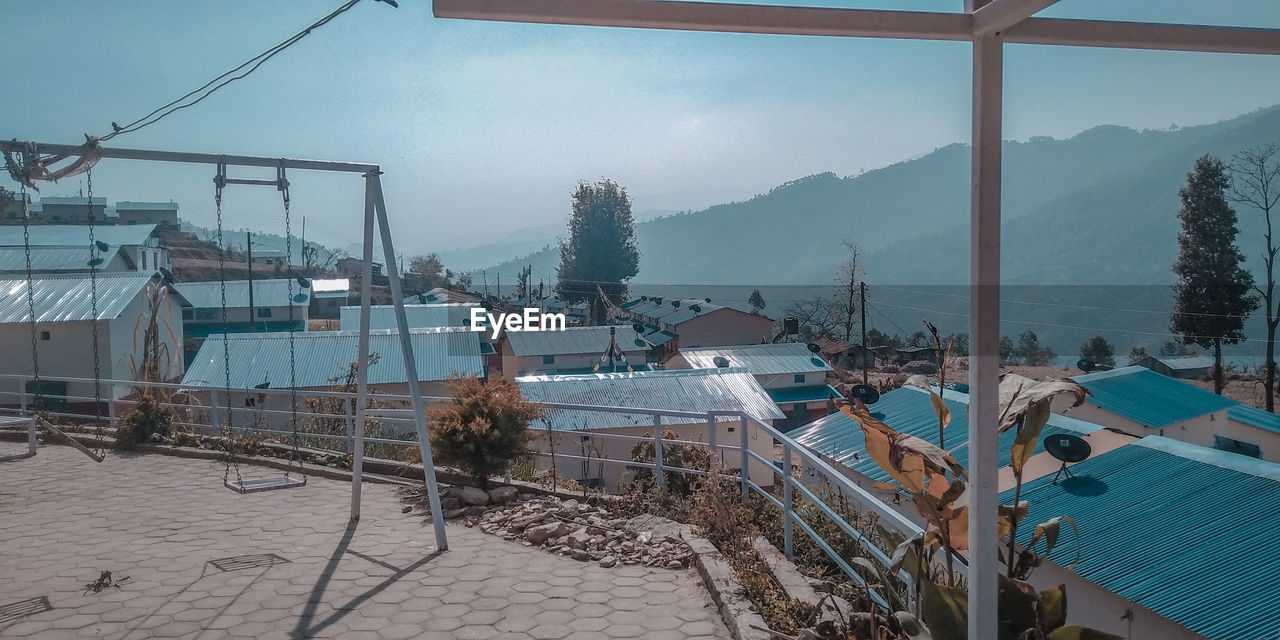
x=601, y=252
x=757, y=302
x=1098, y=351
x=1212, y=292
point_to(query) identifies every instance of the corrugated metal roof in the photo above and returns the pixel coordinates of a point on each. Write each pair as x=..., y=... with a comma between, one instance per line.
x=77, y=235
x=684, y=390
x=327, y=285
x=68, y=299
x=126, y=205
x=687, y=311
x=910, y=411
x=52, y=258
x=1179, y=363
x=589, y=340
x=1149, y=398
x=266, y=293
x=803, y=394
x=321, y=355
x=1255, y=417
x=760, y=359
x=420, y=316
x=1186, y=531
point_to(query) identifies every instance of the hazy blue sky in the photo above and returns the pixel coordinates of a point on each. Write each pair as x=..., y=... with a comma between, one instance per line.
x=487, y=126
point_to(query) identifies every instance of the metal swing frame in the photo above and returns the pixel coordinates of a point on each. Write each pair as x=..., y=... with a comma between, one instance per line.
x=375, y=215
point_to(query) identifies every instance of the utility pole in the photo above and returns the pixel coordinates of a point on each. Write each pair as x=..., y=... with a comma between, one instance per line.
x=862, y=305
x=249, y=245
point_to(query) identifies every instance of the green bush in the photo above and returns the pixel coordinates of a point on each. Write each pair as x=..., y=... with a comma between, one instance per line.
x=149, y=421
x=482, y=428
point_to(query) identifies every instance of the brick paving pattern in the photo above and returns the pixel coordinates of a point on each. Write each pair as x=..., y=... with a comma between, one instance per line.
x=206, y=562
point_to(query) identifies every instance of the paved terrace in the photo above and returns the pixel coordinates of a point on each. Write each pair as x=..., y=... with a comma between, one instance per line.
x=205, y=562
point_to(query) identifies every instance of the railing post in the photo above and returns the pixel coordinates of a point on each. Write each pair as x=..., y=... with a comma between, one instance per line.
x=22, y=395
x=111, y=405
x=213, y=410
x=746, y=459
x=350, y=425
x=711, y=442
x=786, y=500
x=33, y=440
x=657, y=452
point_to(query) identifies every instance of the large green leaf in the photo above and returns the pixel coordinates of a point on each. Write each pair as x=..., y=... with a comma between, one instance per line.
x=1055, y=606
x=1077, y=632
x=1019, y=608
x=944, y=610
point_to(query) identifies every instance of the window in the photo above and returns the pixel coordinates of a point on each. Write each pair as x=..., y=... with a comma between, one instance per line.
x=44, y=335
x=264, y=312
x=799, y=378
x=188, y=314
x=1236, y=446
x=548, y=359
x=207, y=314
x=144, y=259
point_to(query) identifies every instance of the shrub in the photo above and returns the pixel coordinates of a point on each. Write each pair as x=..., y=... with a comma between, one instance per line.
x=483, y=428
x=920, y=366
x=147, y=422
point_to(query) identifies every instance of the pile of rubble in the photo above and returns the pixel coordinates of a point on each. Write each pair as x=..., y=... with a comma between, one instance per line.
x=587, y=533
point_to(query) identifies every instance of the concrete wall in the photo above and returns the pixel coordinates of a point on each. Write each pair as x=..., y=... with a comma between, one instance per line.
x=572, y=443
x=1199, y=430
x=1093, y=606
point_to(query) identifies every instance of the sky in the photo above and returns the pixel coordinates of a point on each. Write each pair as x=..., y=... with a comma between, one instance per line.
x=485, y=128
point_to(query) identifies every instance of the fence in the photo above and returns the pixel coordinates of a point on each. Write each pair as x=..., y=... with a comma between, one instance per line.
x=390, y=410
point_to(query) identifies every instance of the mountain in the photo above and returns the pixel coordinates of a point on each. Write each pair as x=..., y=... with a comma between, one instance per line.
x=1098, y=207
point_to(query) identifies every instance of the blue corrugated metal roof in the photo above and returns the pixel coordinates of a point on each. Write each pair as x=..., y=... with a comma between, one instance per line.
x=1255, y=417
x=759, y=359
x=321, y=355
x=588, y=340
x=1149, y=398
x=266, y=293
x=683, y=390
x=77, y=235
x=68, y=298
x=909, y=410
x=1186, y=531
x=419, y=316
x=1179, y=363
x=803, y=394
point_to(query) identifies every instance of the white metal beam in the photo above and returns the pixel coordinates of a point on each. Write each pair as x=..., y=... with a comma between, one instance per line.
x=909, y=25
x=1002, y=14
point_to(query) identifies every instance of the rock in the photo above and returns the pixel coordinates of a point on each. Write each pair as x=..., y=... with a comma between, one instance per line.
x=450, y=514
x=580, y=555
x=608, y=561
x=503, y=495
x=540, y=533
x=474, y=496
x=450, y=502
x=406, y=509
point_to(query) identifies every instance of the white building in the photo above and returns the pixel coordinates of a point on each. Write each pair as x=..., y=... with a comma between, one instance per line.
x=64, y=329
x=569, y=431
x=793, y=376
x=574, y=350
x=419, y=316
x=64, y=248
x=701, y=323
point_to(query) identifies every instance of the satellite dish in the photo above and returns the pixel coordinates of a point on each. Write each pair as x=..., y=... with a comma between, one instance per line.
x=102, y=246
x=813, y=347
x=641, y=343
x=300, y=298
x=643, y=298
x=96, y=262
x=1085, y=365
x=166, y=274
x=817, y=362
x=675, y=303
x=657, y=300
x=265, y=385
x=866, y=393
x=721, y=361
x=637, y=327
x=696, y=308
x=303, y=282
x=706, y=299
x=1067, y=448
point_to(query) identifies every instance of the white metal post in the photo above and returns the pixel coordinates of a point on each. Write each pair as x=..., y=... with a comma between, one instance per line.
x=349, y=419
x=410, y=363
x=22, y=395
x=711, y=442
x=657, y=452
x=984, y=329
x=746, y=458
x=111, y=404
x=362, y=357
x=787, y=502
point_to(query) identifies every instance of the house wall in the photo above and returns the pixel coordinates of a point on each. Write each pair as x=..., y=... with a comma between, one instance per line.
x=163, y=218
x=1093, y=606
x=513, y=365
x=722, y=328
x=1199, y=430
x=147, y=258
x=571, y=442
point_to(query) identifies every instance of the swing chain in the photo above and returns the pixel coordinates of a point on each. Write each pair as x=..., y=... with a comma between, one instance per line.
x=220, y=181
x=38, y=400
x=282, y=184
x=93, y=305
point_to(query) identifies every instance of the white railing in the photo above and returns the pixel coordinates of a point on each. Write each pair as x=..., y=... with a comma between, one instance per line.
x=207, y=418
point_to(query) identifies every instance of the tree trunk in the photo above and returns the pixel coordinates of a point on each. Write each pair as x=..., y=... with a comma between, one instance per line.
x=1271, y=367
x=1217, y=367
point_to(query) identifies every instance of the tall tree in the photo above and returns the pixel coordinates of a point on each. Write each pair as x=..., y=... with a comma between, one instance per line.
x=757, y=302
x=848, y=281
x=1255, y=182
x=1137, y=353
x=1029, y=349
x=601, y=252
x=428, y=271
x=1098, y=351
x=1212, y=293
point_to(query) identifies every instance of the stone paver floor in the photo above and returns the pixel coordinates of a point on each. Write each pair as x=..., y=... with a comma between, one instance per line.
x=206, y=562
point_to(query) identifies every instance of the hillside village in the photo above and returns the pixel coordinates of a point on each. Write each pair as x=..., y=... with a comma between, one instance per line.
x=286, y=330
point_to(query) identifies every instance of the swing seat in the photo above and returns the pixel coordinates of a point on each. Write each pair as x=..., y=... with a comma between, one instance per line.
x=254, y=485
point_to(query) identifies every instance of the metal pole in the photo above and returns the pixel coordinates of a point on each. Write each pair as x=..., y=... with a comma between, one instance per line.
x=410, y=364
x=192, y=158
x=862, y=305
x=746, y=488
x=787, y=509
x=350, y=425
x=657, y=451
x=984, y=330
x=248, y=239
x=362, y=355
x=711, y=441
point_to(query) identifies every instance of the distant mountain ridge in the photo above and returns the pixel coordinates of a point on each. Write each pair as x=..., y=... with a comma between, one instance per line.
x=1098, y=207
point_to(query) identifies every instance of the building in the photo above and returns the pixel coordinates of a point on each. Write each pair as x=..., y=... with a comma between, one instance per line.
x=574, y=350
x=1140, y=402
x=441, y=295
x=269, y=259
x=328, y=296
x=322, y=360
x=568, y=431
x=793, y=376
x=1176, y=541
x=419, y=316
x=73, y=210
x=1185, y=367
x=65, y=324
x=270, y=310
x=161, y=214
x=699, y=323
x=843, y=354
x=63, y=248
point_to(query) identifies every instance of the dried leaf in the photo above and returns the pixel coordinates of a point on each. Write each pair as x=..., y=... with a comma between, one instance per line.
x=1049, y=530
x=912, y=627
x=1017, y=393
x=1025, y=443
x=1008, y=514
x=1077, y=632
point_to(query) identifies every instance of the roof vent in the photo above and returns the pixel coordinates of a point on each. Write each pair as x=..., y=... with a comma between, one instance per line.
x=721, y=361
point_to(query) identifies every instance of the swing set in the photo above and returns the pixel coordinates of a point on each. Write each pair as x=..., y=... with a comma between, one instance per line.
x=29, y=162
